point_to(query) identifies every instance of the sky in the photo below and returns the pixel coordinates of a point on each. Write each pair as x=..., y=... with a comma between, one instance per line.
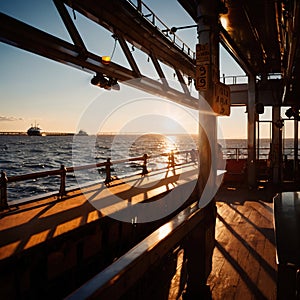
x=61, y=99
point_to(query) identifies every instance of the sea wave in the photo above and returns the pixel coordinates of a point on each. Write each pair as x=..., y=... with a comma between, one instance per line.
x=23, y=155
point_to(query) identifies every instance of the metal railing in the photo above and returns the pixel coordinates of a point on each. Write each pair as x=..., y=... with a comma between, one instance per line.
x=242, y=153
x=243, y=79
x=150, y=16
x=188, y=155
x=62, y=172
x=239, y=79
x=191, y=231
x=235, y=153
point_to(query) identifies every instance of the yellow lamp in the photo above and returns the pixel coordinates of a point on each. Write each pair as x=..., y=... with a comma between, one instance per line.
x=105, y=60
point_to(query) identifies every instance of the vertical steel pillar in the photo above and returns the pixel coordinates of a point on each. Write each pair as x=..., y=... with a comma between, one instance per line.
x=296, y=147
x=200, y=248
x=276, y=145
x=208, y=35
x=251, y=132
x=257, y=137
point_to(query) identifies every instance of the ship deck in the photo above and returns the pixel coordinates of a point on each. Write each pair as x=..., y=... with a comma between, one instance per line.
x=26, y=225
x=244, y=262
x=244, y=259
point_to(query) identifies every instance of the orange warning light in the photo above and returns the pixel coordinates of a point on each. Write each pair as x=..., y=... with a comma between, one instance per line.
x=105, y=60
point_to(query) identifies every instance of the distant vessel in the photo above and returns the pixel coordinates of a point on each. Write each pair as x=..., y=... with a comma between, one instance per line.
x=82, y=133
x=34, y=130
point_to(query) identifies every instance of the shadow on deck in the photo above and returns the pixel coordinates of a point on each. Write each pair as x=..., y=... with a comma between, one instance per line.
x=244, y=262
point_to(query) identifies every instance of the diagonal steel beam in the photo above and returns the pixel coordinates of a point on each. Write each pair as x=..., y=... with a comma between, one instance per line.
x=123, y=18
x=232, y=48
x=182, y=82
x=75, y=36
x=23, y=36
x=129, y=55
x=159, y=70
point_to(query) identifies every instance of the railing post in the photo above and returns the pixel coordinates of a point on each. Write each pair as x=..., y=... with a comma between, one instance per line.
x=193, y=154
x=145, y=170
x=171, y=160
x=3, y=191
x=62, y=189
x=108, y=178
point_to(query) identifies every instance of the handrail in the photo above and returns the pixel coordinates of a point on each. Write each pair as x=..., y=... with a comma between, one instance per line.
x=228, y=153
x=243, y=79
x=235, y=79
x=4, y=180
x=163, y=28
x=238, y=153
x=128, y=269
x=35, y=175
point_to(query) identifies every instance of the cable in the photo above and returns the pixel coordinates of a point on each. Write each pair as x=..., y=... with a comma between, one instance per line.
x=113, y=52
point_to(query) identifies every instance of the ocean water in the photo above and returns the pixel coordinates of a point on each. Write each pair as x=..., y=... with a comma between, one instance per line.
x=21, y=155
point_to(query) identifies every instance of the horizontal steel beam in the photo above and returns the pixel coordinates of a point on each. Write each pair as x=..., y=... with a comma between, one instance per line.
x=21, y=35
x=269, y=93
x=239, y=94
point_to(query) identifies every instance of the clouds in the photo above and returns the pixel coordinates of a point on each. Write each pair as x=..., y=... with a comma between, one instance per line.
x=9, y=119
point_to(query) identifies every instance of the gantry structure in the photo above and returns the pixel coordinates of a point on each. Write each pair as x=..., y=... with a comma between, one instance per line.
x=261, y=35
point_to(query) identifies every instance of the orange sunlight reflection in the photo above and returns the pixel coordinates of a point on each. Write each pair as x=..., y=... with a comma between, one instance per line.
x=164, y=231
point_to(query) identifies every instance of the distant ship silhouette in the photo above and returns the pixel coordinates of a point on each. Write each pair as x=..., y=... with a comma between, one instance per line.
x=34, y=130
x=82, y=133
